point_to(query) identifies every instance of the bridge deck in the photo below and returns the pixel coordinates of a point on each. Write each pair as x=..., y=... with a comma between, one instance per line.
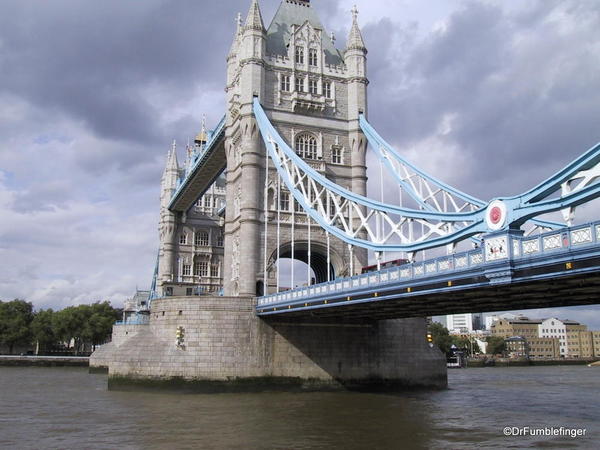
x=206, y=169
x=560, y=268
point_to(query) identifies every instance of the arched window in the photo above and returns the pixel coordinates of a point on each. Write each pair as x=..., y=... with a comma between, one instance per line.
x=306, y=146
x=312, y=57
x=299, y=55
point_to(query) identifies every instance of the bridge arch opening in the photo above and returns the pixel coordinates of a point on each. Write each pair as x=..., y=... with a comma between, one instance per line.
x=300, y=263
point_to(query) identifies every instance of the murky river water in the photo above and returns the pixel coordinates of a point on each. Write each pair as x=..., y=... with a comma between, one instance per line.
x=68, y=408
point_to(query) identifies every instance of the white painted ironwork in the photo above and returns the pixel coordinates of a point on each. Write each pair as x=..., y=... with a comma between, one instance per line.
x=531, y=246
x=576, y=183
x=551, y=242
x=581, y=236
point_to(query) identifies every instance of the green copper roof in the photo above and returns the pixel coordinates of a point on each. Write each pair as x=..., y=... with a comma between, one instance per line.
x=296, y=13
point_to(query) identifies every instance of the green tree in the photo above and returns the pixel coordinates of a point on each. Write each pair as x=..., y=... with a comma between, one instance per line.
x=42, y=330
x=100, y=323
x=85, y=324
x=440, y=336
x=496, y=345
x=15, y=321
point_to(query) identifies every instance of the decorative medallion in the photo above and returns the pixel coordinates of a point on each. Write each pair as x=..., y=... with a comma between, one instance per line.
x=495, y=215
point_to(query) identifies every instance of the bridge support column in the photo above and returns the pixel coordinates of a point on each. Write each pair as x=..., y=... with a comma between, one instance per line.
x=224, y=346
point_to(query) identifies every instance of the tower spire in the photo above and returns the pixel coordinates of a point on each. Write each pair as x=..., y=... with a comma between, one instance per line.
x=355, y=39
x=172, y=158
x=254, y=19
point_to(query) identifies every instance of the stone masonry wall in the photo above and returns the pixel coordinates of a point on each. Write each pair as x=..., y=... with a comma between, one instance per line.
x=225, y=341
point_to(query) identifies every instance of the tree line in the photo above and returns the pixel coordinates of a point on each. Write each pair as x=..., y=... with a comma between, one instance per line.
x=46, y=330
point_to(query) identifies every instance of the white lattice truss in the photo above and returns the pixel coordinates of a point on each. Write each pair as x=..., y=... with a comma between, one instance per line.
x=382, y=226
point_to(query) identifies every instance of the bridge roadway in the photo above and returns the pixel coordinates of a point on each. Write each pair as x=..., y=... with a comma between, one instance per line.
x=204, y=172
x=509, y=271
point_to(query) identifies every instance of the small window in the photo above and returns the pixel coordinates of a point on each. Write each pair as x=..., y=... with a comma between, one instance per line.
x=183, y=238
x=327, y=89
x=219, y=240
x=299, y=84
x=312, y=57
x=207, y=202
x=214, y=270
x=168, y=293
x=284, y=201
x=313, y=87
x=299, y=55
x=297, y=206
x=187, y=270
x=336, y=155
x=201, y=239
x=285, y=83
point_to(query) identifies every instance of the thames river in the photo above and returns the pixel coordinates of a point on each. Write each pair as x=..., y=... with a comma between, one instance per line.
x=67, y=408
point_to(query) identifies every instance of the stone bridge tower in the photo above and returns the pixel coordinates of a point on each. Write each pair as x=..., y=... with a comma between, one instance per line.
x=313, y=93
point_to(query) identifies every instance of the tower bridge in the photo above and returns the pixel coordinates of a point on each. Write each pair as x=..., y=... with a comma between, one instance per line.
x=290, y=154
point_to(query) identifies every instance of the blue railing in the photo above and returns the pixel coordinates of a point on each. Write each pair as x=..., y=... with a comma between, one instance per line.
x=496, y=248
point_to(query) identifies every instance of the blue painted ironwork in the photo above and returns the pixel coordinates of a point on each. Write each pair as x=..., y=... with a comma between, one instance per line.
x=200, y=159
x=438, y=196
x=495, y=264
x=297, y=174
x=153, y=293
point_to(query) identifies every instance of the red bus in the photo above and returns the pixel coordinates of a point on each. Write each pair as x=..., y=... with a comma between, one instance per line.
x=385, y=265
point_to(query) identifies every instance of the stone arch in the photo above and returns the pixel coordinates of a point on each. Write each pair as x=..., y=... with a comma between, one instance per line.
x=318, y=258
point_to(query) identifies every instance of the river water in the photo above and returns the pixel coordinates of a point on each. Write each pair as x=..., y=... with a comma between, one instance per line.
x=67, y=408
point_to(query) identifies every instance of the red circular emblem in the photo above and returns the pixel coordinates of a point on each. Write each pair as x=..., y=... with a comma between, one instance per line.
x=495, y=215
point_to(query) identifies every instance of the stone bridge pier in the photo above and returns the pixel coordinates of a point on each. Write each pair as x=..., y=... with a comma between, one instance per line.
x=226, y=347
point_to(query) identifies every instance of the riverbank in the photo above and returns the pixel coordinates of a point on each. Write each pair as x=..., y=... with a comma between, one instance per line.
x=507, y=362
x=44, y=361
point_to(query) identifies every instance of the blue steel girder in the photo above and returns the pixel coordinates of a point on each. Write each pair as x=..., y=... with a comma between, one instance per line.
x=304, y=182
x=204, y=172
x=527, y=263
x=438, y=195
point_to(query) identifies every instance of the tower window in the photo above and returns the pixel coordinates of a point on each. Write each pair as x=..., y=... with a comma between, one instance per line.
x=299, y=55
x=187, y=270
x=336, y=154
x=312, y=57
x=220, y=240
x=284, y=202
x=214, y=270
x=201, y=239
x=313, y=87
x=327, y=89
x=300, y=84
x=306, y=146
x=285, y=83
x=201, y=269
x=183, y=238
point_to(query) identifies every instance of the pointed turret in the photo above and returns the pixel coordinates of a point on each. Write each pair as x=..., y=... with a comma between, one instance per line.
x=172, y=163
x=236, y=39
x=254, y=20
x=355, y=39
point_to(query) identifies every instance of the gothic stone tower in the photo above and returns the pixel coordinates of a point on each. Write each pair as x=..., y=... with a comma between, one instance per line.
x=313, y=93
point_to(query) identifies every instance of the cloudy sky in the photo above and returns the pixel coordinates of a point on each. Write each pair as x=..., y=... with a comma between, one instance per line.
x=492, y=96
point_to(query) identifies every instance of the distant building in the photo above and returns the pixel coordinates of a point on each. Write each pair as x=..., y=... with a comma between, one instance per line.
x=544, y=348
x=489, y=320
x=464, y=323
x=550, y=338
x=520, y=326
x=517, y=347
